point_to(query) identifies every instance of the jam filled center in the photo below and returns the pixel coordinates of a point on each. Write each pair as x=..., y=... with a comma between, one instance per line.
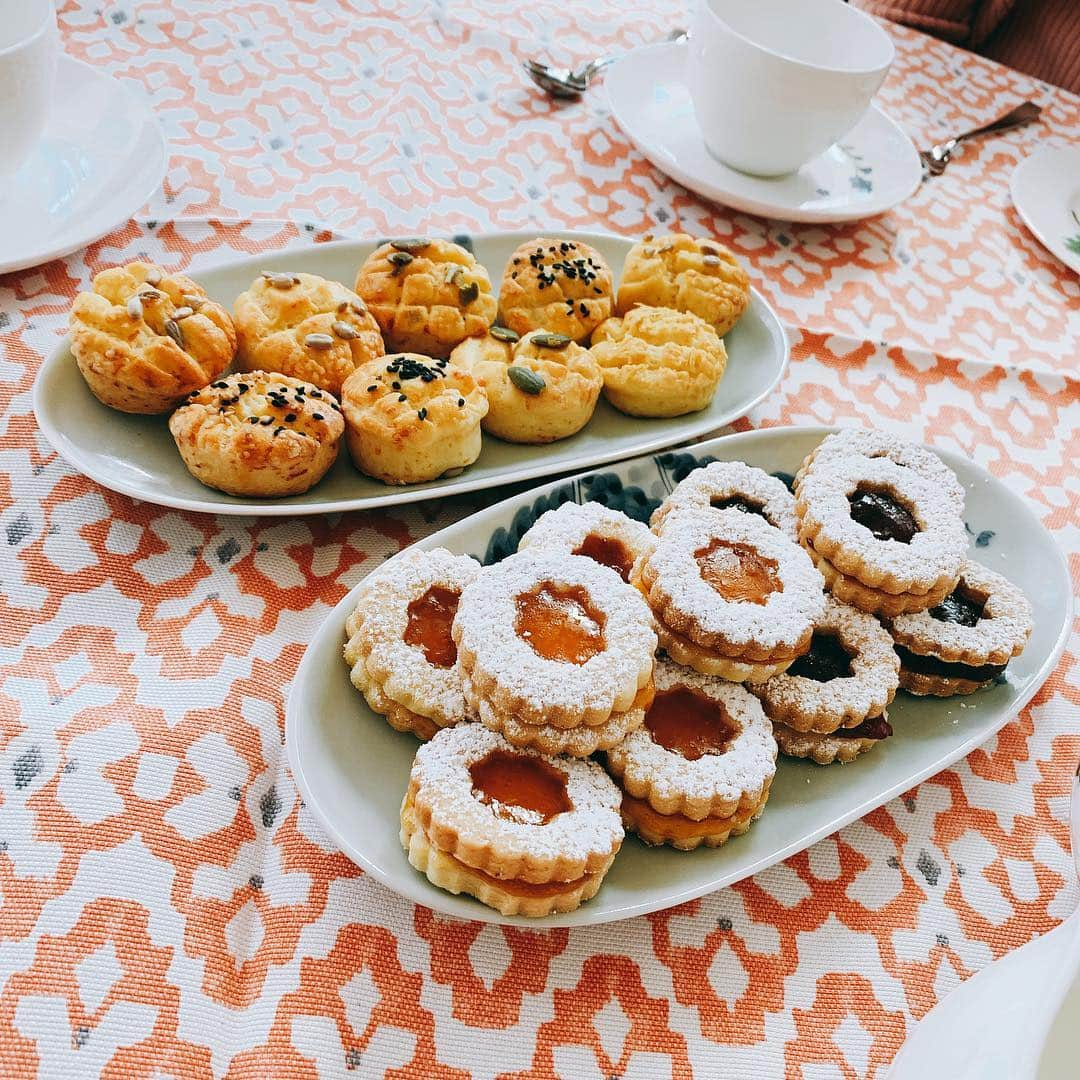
x=687, y=722
x=879, y=512
x=737, y=502
x=826, y=660
x=876, y=727
x=505, y=781
x=738, y=572
x=962, y=606
x=430, y=618
x=560, y=623
x=608, y=551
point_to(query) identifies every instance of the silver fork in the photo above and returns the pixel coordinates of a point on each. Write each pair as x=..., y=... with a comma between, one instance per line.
x=936, y=159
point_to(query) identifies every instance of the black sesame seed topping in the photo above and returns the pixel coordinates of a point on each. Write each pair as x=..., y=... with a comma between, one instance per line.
x=315, y=416
x=422, y=414
x=460, y=402
x=278, y=431
x=290, y=418
x=253, y=419
x=402, y=397
x=372, y=388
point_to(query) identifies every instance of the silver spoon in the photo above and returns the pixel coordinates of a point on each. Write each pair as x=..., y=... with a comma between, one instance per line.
x=937, y=157
x=571, y=83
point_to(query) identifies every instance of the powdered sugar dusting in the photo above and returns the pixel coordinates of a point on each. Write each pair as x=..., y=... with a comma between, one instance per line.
x=566, y=527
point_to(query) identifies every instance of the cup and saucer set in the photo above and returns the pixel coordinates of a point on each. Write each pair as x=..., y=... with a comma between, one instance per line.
x=78, y=152
x=766, y=108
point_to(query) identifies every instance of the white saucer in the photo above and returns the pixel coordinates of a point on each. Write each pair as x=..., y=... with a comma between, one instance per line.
x=872, y=169
x=103, y=154
x=1045, y=190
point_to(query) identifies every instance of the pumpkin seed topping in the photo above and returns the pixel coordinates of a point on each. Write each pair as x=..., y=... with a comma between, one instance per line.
x=319, y=341
x=525, y=379
x=134, y=306
x=414, y=243
x=182, y=313
x=280, y=281
x=192, y=300
x=153, y=276
x=468, y=293
x=550, y=341
x=399, y=260
x=450, y=274
x=711, y=260
x=172, y=328
x=504, y=333
x=345, y=330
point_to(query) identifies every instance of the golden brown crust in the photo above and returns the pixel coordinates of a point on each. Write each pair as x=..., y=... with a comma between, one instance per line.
x=941, y=686
x=686, y=834
x=304, y=326
x=427, y=296
x=691, y=655
x=145, y=339
x=562, y=286
x=682, y=272
x=659, y=362
x=874, y=601
x=260, y=435
x=822, y=749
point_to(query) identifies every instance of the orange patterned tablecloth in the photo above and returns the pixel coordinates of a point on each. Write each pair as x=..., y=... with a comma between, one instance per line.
x=167, y=904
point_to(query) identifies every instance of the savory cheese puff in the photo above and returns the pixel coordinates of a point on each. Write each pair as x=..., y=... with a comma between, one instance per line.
x=426, y=295
x=144, y=339
x=539, y=389
x=659, y=362
x=682, y=272
x=304, y=326
x=258, y=434
x=410, y=419
x=563, y=286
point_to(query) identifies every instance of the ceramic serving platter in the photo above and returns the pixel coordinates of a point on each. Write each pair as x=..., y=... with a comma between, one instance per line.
x=352, y=768
x=1045, y=190
x=135, y=455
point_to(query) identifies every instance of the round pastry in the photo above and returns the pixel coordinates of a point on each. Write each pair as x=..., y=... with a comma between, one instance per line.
x=682, y=272
x=700, y=768
x=883, y=524
x=304, y=326
x=591, y=529
x=562, y=286
x=869, y=443
x=848, y=676
x=732, y=596
x=258, y=434
x=145, y=339
x=426, y=295
x=410, y=419
x=843, y=745
x=398, y=643
x=541, y=388
x=525, y=833
x=733, y=485
x=555, y=642
x=659, y=362
x=965, y=642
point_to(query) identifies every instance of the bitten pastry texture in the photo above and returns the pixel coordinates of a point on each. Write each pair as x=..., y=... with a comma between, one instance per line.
x=144, y=339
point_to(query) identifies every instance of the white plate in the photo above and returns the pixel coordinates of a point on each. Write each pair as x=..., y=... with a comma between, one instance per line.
x=871, y=169
x=352, y=768
x=1045, y=190
x=101, y=157
x=136, y=454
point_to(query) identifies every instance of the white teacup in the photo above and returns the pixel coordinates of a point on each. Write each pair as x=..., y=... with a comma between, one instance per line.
x=28, y=48
x=777, y=82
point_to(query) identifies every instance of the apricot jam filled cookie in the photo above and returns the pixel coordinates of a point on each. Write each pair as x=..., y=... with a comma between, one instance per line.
x=886, y=537
x=426, y=295
x=556, y=652
x=682, y=272
x=700, y=768
x=843, y=745
x=733, y=485
x=560, y=286
x=606, y=536
x=399, y=646
x=849, y=675
x=966, y=641
x=524, y=833
x=732, y=596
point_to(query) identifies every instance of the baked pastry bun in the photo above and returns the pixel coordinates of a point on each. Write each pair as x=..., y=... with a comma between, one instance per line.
x=563, y=286
x=658, y=361
x=682, y=272
x=426, y=295
x=541, y=388
x=304, y=326
x=258, y=434
x=144, y=338
x=410, y=419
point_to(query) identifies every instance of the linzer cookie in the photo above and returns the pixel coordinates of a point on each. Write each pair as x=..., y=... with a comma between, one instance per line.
x=732, y=595
x=556, y=651
x=848, y=676
x=606, y=536
x=886, y=537
x=524, y=833
x=700, y=768
x=966, y=641
x=843, y=745
x=733, y=485
x=399, y=646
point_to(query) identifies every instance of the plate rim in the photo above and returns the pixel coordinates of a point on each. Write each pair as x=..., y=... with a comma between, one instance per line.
x=77, y=241
x=584, y=916
x=1023, y=171
x=534, y=469
x=753, y=206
